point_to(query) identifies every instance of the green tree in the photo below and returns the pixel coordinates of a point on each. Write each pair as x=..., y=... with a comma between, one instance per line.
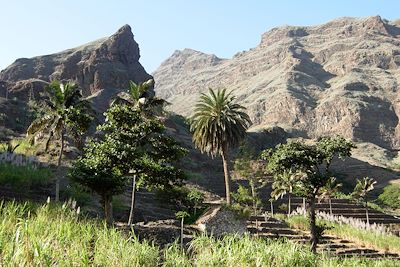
x=247, y=166
x=63, y=109
x=361, y=190
x=284, y=184
x=313, y=162
x=133, y=145
x=140, y=98
x=331, y=187
x=219, y=124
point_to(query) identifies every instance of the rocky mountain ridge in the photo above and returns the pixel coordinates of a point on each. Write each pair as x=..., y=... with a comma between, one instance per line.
x=105, y=64
x=341, y=77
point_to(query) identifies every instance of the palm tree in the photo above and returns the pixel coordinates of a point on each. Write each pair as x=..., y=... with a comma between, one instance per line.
x=219, y=124
x=60, y=109
x=284, y=184
x=362, y=188
x=331, y=187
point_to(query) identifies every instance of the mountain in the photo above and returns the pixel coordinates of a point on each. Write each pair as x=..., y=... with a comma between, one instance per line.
x=100, y=68
x=341, y=77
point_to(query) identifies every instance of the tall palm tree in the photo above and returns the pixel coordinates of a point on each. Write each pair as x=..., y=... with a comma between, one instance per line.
x=331, y=187
x=60, y=110
x=219, y=124
x=362, y=188
x=284, y=184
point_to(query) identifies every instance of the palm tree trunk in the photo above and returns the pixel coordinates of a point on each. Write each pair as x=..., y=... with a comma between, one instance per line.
x=313, y=228
x=132, y=200
x=289, y=205
x=272, y=208
x=182, y=231
x=227, y=177
x=330, y=205
x=366, y=210
x=253, y=195
x=58, y=167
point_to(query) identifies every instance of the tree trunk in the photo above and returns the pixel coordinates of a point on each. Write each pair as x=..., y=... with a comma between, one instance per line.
x=366, y=211
x=108, y=213
x=313, y=228
x=272, y=208
x=132, y=200
x=227, y=177
x=330, y=205
x=182, y=231
x=289, y=205
x=253, y=195
x=58, y=167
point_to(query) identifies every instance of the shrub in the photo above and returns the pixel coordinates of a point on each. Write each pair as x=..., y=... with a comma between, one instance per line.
x=390, y=196
x=21, y=177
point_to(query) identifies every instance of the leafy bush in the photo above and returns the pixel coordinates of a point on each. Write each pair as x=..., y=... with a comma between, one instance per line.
x=21, y=177
x=390, y=196
x=77, y=193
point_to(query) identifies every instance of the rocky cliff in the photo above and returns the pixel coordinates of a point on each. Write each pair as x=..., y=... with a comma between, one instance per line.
x=341, y=77
x=103, y=65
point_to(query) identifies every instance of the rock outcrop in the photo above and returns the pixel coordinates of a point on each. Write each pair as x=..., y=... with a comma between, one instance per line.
x=106, y=64
x=341, y=77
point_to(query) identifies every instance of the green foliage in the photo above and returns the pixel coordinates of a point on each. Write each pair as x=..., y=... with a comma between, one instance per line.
x=313, y=161
x=56, y=236
x=390, y=196
x=363, y=187
x=76, y=192
x=182, y=214
x=330, y=188
x=242, y=196
x=63, y=110
x=22, y=177
x=218, y=123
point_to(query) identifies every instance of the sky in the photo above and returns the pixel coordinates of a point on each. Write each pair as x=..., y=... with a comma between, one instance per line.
x=222, y=27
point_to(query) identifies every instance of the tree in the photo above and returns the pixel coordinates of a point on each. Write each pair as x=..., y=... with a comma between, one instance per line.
x=132, y=145
x=219, y=124
x=331, y=187
x=247, y=166
x=96, y=170
x=284, y=183
x=140, y=98
x=63, y=109
x=313, y=162
x=361, y=190
x=182, y=215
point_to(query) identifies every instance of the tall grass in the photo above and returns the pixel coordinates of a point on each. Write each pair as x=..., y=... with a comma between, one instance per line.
x=23, y=176
x=51, y=235
x=379, y=240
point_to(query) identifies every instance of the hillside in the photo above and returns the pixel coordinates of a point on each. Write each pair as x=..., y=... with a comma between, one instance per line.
x=337, y=78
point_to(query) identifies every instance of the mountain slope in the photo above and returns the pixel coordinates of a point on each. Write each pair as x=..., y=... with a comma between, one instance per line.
x=337, y=78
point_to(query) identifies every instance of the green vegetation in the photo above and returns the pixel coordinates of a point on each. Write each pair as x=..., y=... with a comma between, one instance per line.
x=218, y=124
x=374, y=239
x=19, y=146
x=22, y=177
x=363, y=187
x=64, y=112
x=311, y=164
x=56, y=236
x=134, y=147
x=390, y=196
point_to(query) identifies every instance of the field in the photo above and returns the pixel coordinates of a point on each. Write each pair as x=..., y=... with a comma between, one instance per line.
x=53, y=235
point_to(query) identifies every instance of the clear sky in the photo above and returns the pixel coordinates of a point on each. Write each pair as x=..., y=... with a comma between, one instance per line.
x=223, y=27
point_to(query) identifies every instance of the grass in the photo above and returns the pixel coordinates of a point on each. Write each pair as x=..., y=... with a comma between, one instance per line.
x=374, y=239
x=24, y=147
x=21, y=177
x=50, y=235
